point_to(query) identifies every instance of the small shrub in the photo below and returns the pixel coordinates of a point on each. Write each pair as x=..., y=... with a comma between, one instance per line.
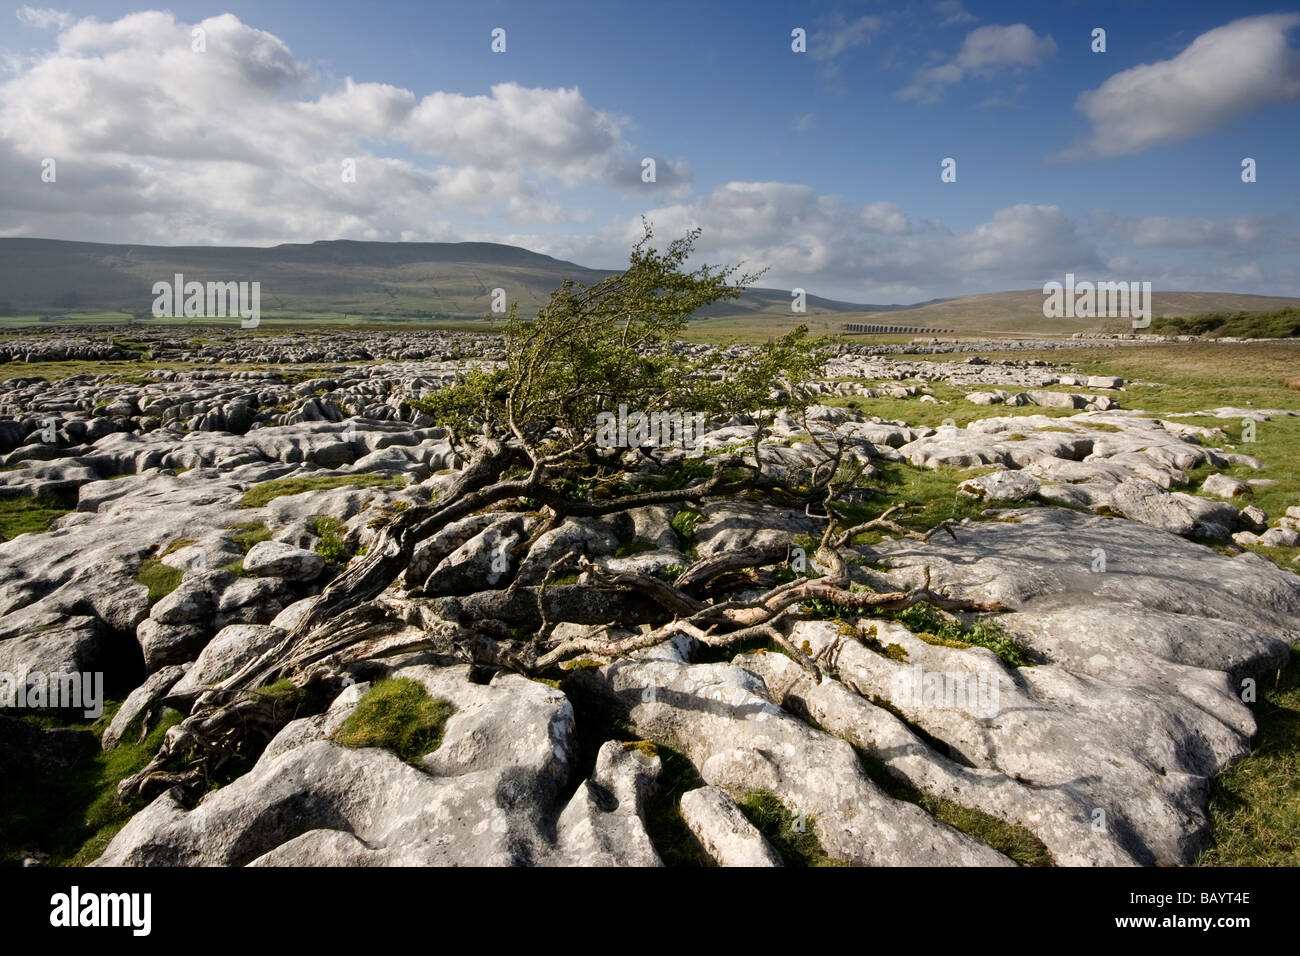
x=331, y=543
x=927, y=623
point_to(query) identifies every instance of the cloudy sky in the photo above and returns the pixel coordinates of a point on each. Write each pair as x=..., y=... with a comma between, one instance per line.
x=239, y=124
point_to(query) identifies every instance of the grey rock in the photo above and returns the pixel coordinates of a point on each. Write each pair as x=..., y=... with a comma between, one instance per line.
x=723, y=831
x=138, y=700
x=490, y=795
x=1000, y=486
x=165, y=644
x=230, y=649
x=277, y=559
x=253, y=601
x=1253, y=518
x=739, y=741
x=1146, y=502
x=194, y=599
x=1224, y=486
x=480, y=562
x=604, y=823
x=1280, y=538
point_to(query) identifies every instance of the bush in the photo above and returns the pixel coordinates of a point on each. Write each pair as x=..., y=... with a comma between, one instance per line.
x=331, y=543
x=1281, y=324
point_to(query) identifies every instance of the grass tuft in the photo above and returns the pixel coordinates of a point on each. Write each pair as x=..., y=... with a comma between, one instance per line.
x=160, y=579
x=261, y=494
x=399, y=715
x=331, y=542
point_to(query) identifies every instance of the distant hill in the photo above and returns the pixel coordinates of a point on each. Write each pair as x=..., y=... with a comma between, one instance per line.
x=418, y=281
x=1022, y=312
x=448, y=281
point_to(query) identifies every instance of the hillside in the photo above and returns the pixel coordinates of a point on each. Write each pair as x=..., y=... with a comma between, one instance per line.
x=347, y=281
x=378, y=280
x=1021, y=311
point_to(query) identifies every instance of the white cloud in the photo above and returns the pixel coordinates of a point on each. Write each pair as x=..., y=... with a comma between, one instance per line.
x=873, y=253
x=1188, y=232
x=245, y=143
x=885, y=217
x=555, y=131
x=877, y=254
x=953, y=13
x=1229, y=71
x=985, y=52
x=43, y=19
x=837, y=37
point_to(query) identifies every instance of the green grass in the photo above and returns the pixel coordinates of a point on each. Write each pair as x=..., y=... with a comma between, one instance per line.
x=29, y=515
x=933, y=492
x=283, y=691
x=1198, y=376
x=249, y=533
x=793, y=837
x=1255, y=804
x=160, y=579
x=259, y=495
x=398, y=715
x=931, y=626
x=72, y=814
x=957, y=410
x=175, y=546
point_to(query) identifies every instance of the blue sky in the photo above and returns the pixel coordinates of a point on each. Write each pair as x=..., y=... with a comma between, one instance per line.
x=822, y=166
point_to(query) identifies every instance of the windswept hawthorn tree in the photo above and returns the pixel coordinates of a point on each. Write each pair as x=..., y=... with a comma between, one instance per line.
x=528, y=430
